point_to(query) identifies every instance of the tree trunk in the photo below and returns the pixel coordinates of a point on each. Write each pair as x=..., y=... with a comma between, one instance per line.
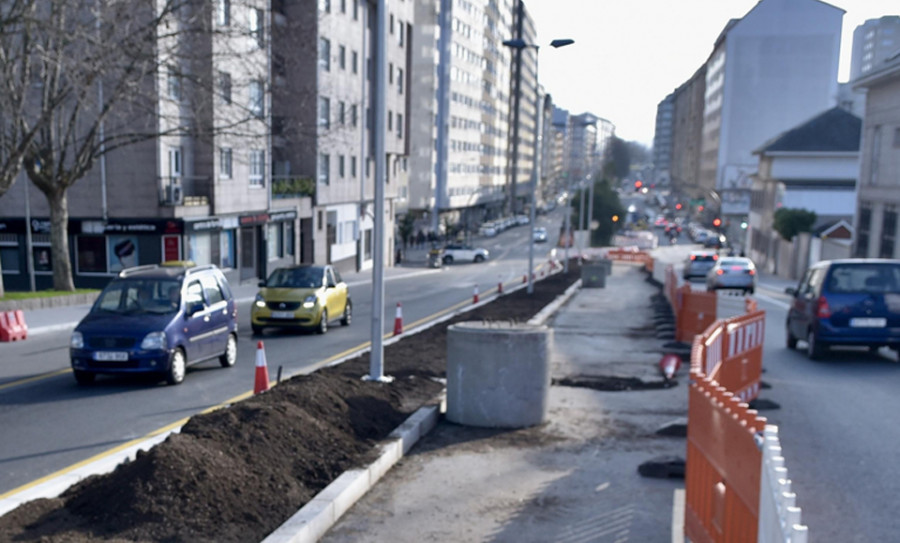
x=59, y=241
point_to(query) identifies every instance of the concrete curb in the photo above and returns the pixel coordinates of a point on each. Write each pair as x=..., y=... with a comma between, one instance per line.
x=315, y=518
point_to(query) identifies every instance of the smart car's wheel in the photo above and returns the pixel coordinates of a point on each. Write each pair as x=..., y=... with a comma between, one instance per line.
x=323, y=322
x=751, y=291
x=448, y=259
x=83, y=377
x=177, y=368
x=814, y=349
x=348, y=314
x=229, y=357
x=790, y=339
x=479, y=258
x=257, y=330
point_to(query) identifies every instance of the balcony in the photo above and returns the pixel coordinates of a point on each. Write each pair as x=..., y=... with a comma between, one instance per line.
x=183, y=191
x=286, y=186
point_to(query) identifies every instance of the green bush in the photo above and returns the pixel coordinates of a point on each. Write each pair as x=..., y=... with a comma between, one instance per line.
x=295, y=186
x=789, y=222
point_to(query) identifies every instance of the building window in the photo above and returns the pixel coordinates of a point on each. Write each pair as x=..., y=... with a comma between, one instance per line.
x=175, y=162
x=257, y=167
x=342, y=57
x=257, y=26
x=325, y=54
x=324, y=168
x=342, y=107
x=341, y=166
x=10, y=261
x=173, y=78
x=324, y=112
x=354, y=62
x=390, y=73
x=356, y=9
x=400, y=125
x=225, y=87
x=354, y=114
x=400, y=32
x=864, y=226
x=400, y=80
x=325, y=6
x=225, y=163
x=223, y=12
x=392, y=23
x=876, y=155
x=390, y=121
x=256, y=98
x=888, y=232
x=90, y=254
x=353, y=166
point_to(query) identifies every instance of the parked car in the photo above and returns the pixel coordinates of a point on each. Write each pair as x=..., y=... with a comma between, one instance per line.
x=301, y=297
x=522, y=220
x=732, y=273
x=464, y=253
x=715, y=240
x=540, y=234
x=157, y=319
x=698, y=263
x=846, y=302
x=487, y=230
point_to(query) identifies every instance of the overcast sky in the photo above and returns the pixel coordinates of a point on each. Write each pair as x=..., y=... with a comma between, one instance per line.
x=629, y=54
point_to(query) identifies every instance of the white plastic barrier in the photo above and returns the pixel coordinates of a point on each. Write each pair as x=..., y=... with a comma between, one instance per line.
x=779, y=516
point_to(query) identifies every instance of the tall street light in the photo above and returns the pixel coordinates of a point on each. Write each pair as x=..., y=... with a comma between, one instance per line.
x=520, y=44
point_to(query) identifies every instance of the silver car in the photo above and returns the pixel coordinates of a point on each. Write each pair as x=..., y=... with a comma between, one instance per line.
x=698, y=263
x=732, y=272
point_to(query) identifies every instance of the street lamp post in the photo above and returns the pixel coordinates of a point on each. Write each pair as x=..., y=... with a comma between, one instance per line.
x=520, y=44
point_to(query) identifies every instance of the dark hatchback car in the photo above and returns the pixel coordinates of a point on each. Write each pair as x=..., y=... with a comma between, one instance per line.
x=157, y=319
x=850, y=302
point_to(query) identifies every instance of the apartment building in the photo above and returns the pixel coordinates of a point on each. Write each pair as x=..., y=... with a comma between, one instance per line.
x=878, y=193
x=768, y=71
x=687, y=131
x=583, y=153
x=874, y=42
x=198, y=192
x=662, y=140
x=460, y=119
x=324, y=125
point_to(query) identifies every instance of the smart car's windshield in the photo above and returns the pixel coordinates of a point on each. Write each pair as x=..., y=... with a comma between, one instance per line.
x=307, y=277
x=140, y=296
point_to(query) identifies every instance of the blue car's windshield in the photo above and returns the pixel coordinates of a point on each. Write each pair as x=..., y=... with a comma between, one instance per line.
x=308, y=277
x=140, y=296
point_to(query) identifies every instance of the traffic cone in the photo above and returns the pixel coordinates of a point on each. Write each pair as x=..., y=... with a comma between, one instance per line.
x=668, y=365
x=524, y=279
x=398, y=321
x=475, y=296
x=500, y=287
x=262, y=371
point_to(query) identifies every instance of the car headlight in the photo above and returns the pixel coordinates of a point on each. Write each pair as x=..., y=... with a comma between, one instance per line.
x=310, y=301
x=154, y=341
x=76, y=341
x=260, y=301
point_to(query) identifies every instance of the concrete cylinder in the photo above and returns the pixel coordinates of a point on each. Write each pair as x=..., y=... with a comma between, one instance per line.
x=498, y=374
x=593, y=275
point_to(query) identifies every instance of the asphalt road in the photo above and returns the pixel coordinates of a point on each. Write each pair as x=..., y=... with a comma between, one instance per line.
x=50, y=423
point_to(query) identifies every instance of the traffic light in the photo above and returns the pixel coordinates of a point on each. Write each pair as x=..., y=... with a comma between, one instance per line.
x=615, y=218
x=678, y=206
x=700, y=208
x=717, y=222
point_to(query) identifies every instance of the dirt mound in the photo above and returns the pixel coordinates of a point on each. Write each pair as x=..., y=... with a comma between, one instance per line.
x=238, y=473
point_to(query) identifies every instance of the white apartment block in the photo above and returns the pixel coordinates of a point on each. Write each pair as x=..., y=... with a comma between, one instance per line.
x=874, y=42
x=770, y=70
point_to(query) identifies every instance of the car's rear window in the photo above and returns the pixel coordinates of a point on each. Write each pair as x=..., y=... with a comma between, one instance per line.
x=704, y=258
x=870, y=278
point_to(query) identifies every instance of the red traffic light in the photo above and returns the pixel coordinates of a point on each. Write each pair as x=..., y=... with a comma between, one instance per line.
x=699, y=208
x=678, y=206
x=638, y=184
x=717, y=222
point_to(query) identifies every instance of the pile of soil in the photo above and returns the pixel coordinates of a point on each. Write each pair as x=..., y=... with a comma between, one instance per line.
x=238, y=473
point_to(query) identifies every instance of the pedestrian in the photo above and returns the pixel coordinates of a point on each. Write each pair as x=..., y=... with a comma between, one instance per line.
x=420, y=240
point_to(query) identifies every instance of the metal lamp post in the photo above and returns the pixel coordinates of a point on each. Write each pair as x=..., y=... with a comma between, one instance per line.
x=535, y=170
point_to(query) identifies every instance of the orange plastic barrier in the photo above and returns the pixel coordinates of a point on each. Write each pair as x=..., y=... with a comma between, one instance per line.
x=12, y=325
x=723, y=468
x=694, y=312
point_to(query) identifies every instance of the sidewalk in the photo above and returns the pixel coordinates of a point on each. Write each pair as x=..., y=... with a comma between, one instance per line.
x=573, y=478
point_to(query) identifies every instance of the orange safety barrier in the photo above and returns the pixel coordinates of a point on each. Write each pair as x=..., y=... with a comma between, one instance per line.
x=670, y=285
x=631, y=255
x=12, y=325
x=723, y=466
x=694, y=312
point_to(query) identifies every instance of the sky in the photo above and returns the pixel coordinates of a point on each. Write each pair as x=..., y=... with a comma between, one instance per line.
x=629, y=55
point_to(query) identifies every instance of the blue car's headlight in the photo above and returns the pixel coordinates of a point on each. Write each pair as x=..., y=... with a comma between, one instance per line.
x=76, y=341
x=154, y=341
x=310, y=301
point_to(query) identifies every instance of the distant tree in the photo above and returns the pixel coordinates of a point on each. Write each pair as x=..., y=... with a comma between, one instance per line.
x=638, y=153
x=617, y=161
x=789, y=222
x=606, y=206
x=406, y=226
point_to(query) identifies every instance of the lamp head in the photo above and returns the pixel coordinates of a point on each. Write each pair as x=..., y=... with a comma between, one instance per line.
x=561, y=42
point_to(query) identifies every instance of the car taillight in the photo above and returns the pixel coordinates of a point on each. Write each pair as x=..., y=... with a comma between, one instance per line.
x=715, y=257
x=751, y=272
x=822, y=309
x=720, y=271
x=693, y=257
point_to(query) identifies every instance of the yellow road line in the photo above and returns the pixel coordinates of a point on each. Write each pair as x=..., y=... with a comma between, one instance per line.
x=35, y=378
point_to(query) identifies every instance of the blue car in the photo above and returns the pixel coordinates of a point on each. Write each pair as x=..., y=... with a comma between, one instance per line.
x=852, y=302
x=157, y=319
